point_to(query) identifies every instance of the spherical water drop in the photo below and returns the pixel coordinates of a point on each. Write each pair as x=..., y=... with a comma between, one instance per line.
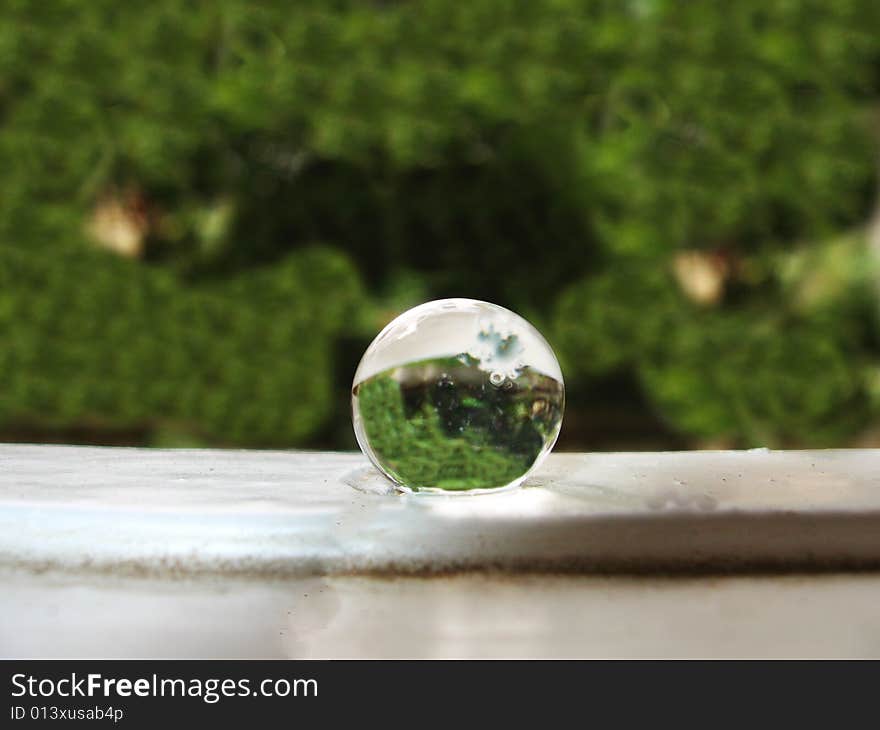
x=457, y=395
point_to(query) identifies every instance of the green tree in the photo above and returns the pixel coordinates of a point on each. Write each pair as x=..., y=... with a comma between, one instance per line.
x=560, y=157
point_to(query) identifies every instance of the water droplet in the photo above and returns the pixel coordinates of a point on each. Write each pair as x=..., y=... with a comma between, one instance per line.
x=425, y=414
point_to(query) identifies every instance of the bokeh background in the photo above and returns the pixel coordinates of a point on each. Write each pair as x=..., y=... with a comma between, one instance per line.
x=208, y=210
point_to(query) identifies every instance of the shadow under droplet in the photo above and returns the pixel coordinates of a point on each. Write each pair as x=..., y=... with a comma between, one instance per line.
x=370, y=480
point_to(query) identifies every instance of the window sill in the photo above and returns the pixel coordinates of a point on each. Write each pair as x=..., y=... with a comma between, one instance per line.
x=297, y=513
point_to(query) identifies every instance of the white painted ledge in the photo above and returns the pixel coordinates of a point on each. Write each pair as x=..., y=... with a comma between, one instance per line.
x=161, y=512
x=467, y=615
x=139, y=553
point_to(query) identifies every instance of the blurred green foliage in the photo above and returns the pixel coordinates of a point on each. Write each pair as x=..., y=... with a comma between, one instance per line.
x=102, y=342
x=554, y=156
